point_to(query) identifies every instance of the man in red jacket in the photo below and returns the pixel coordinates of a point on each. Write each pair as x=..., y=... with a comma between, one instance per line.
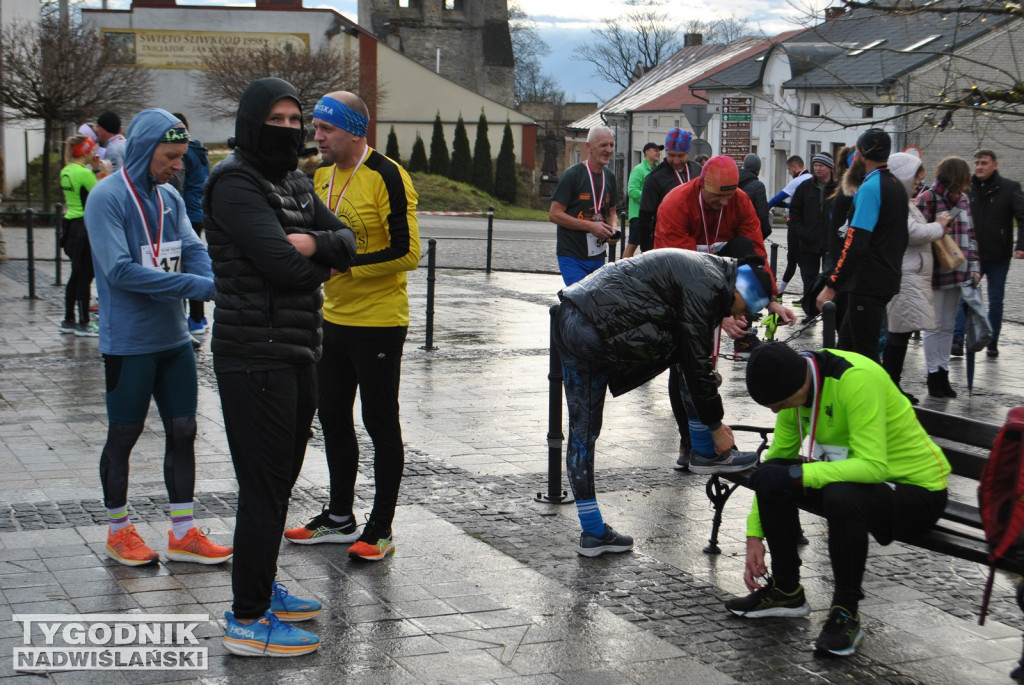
x=707, y=214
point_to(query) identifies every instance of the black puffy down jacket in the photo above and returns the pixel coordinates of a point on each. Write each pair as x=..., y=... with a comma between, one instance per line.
x=658, y=309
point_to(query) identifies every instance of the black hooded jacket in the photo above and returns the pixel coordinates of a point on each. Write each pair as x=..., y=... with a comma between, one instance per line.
x=758, y=194
x=269, y=298
x=995, y=203
x=657, y=309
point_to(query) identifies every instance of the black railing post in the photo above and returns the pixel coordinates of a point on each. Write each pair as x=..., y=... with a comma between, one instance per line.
x=431, y=277
x=773, y=260
x=555, y=494
x=30, y=244
x=828, y=319
x=623, y=226
x=58, y=229
x=490, y=235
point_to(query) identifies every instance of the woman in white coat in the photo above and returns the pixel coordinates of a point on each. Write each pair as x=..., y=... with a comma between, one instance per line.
x=912, y=308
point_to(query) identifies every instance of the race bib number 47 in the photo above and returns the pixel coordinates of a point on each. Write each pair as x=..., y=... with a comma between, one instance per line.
x=168, y=259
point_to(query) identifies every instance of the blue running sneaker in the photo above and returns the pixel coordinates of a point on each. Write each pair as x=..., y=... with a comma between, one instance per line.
x=267, y=636
x=729, y=463
x=592, y=546
x=291, y=608
x=198, y=327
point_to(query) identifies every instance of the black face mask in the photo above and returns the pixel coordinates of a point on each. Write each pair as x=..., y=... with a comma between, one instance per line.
x=277, y=152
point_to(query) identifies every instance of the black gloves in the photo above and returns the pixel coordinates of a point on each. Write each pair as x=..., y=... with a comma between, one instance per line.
x=776, y=482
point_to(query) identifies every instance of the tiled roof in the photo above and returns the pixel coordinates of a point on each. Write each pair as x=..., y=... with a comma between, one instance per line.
x=826, y=56
x=672, y=75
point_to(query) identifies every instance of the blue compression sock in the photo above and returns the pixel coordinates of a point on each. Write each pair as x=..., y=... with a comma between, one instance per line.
x=590, y=517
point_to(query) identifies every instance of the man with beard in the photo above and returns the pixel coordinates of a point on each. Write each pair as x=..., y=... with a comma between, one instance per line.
x=273, y=244
x=583, y=209
x=872, y=252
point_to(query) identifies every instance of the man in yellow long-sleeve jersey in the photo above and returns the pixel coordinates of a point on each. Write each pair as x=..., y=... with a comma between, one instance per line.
x=366, y=316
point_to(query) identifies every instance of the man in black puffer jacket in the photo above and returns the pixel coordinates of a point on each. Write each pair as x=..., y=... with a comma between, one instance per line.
x=273, y=243
x=625, y=324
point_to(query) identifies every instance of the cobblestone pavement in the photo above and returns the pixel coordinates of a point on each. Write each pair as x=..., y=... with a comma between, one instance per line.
x=485, y=586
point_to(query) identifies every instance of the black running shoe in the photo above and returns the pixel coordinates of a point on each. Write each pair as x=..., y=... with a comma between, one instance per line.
x=770, y=601
x=841, y=633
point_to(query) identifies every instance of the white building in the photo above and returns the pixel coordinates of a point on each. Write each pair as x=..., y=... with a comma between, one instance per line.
x=821, y=88
x=169, y=39
x=16, y=135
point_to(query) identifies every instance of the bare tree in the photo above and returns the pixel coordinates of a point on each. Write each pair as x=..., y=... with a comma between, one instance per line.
x=721, y=31
x=532, y=84
x=53, y=72
x=227, y=71
x=628, y=46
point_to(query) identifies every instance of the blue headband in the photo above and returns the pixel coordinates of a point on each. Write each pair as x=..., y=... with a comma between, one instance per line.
x=340, y=115
x=750, y=289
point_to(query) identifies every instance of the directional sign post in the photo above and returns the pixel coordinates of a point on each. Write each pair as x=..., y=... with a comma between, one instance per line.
x=736, y=123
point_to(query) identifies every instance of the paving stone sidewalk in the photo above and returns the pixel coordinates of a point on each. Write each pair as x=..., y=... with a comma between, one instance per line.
x=485, y=586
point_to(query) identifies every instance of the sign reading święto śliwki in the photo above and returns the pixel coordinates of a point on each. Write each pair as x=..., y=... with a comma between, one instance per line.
x=159, y=49
x=736, y=115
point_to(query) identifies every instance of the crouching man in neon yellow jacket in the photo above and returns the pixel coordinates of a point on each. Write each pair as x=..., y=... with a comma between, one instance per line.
x=847, y=444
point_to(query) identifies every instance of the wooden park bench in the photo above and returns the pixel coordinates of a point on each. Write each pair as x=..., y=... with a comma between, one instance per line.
x=958, y=533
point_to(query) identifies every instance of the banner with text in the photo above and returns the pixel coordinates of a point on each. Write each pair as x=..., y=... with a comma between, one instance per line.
x=158, y=49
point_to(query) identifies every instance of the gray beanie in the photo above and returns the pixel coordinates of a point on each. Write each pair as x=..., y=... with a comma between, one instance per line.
x=752, y=163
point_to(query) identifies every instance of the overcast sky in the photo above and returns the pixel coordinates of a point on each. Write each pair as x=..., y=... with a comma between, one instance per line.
x=565, y=24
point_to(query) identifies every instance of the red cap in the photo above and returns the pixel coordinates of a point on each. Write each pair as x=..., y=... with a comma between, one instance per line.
x=720, y=175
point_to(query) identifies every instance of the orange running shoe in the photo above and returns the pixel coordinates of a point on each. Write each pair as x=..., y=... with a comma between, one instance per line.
x=322, y=529
x=373, y=545
x=196, y=547
x=127, y=547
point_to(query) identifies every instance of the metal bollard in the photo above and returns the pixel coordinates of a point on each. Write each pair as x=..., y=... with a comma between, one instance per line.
x=773, y=260
x=431, y=277
x=624, y=227
x=828, y=319
x=490, y=235
x=30, y=244
x=555, y=495
x=58, y=228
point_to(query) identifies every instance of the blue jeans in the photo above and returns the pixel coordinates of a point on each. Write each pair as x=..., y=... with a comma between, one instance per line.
x=995, y=274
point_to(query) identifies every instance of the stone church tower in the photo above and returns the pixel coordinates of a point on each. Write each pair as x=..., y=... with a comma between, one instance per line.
x=467, y=41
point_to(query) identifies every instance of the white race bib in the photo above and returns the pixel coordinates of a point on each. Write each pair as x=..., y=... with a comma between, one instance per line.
x=169, y=260
x=595, y=246
x=830, y=452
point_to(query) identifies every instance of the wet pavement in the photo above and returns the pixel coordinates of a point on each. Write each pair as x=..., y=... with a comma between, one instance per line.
x=485, y=586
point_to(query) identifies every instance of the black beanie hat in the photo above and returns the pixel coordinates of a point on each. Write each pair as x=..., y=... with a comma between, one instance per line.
x=110, y=122
x=874, y=144
x=774, y=372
